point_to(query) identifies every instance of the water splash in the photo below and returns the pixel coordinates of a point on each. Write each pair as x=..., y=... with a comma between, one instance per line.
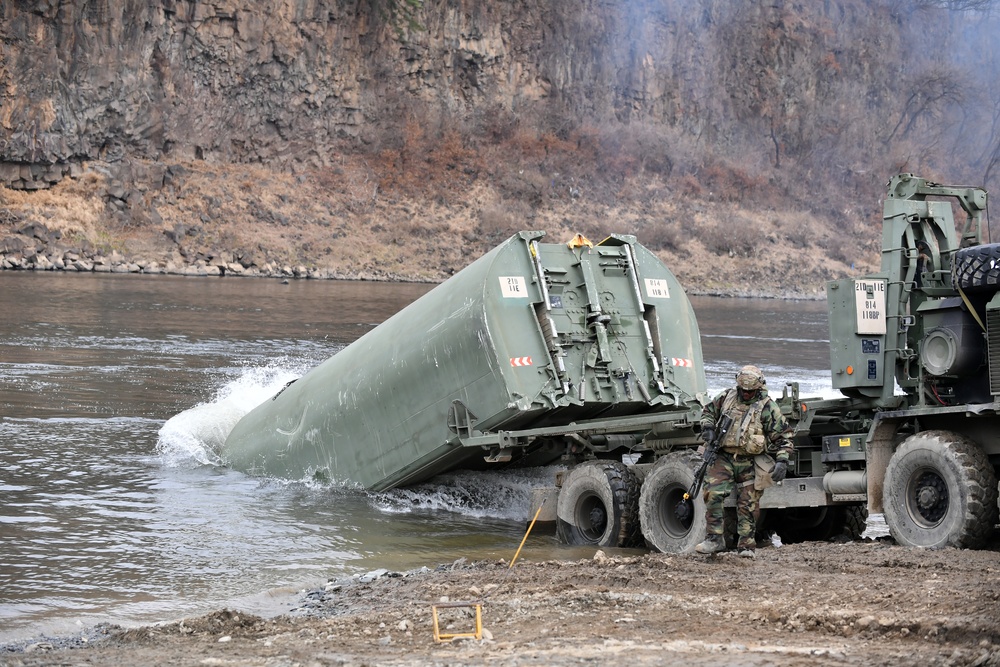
x=195, y=436
x=501, y=494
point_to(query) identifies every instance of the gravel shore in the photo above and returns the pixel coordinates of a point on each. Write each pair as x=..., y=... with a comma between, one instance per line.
x=856, y=603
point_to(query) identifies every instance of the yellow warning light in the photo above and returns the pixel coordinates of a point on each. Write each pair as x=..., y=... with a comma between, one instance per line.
x=850, y=370
x=579, y=241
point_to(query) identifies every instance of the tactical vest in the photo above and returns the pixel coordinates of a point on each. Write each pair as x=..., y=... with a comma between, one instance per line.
x=747, y=434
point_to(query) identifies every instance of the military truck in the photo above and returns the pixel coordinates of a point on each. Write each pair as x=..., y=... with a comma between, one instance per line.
x=915, y=351
x=590, y=355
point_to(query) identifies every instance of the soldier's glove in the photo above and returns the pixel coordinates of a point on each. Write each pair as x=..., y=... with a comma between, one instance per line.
x=779, y=472
x=708, y=434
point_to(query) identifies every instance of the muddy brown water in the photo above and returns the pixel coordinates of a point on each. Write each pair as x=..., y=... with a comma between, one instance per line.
x=112, y=510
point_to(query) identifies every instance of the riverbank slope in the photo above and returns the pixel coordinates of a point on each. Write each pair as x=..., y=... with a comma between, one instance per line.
x=860, y=603
x=233, y=220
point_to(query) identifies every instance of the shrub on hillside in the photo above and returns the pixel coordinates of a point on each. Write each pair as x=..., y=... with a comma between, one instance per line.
x=841, y=249
x=739, y=236
x=498, y=222
x=798, y=234
x=728, y=182
x=494, y=123
x=662, y=236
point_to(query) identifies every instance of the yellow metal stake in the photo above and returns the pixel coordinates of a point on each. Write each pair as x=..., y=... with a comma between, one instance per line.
x=525, y=538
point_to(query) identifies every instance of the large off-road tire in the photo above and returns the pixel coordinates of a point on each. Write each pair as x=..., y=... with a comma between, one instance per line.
x=599, y=505
x=857, y=520
x=663, y=489
x=977, y=269
x=940, y=490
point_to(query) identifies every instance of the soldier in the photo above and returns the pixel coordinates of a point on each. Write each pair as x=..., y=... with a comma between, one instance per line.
x=743, y=460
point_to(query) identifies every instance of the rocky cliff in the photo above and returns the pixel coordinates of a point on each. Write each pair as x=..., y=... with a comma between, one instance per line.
x=543, y=113
x=280, y=81
x=286, y=81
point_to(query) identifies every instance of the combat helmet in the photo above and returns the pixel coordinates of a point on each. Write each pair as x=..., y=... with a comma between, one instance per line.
x=750, y=378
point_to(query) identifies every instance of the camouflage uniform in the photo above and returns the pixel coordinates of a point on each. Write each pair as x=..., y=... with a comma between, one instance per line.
x=758, y=427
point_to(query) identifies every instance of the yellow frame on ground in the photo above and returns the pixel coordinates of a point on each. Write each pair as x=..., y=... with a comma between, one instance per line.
x=441, y=637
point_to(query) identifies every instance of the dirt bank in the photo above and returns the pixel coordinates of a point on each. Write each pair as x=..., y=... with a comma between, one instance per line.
x=870, y=603
x=235, y=220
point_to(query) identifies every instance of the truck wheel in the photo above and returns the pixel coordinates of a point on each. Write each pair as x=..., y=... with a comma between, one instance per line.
x=599, y=505
x=977, y=269
x=940, y=490
x=857, y=521
x=663, y=489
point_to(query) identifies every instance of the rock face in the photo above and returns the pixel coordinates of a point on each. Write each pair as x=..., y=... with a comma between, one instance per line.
x=283, y=81
x=286, y=82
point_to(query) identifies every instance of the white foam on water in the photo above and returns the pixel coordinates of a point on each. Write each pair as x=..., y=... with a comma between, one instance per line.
x=195, y=436
x=501, y=494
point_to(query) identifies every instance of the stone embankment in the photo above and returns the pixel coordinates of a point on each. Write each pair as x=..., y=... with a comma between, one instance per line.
x=35, y=247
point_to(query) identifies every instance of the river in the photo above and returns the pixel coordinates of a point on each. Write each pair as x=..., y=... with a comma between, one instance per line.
x=113, y=511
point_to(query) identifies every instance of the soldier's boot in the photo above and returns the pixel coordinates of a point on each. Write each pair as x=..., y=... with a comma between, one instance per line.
x=747, y=548
x=712, y=544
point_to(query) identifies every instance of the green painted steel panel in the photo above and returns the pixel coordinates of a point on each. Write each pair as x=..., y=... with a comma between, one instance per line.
x=858, y=333
x=529, y=335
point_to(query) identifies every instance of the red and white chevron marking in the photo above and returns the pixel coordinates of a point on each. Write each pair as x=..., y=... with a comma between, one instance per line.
x=520, y=361
x=684, y=363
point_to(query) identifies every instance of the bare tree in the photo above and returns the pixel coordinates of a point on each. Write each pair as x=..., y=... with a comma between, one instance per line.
x=929, y=94
x=991, y=155
x=992, y=162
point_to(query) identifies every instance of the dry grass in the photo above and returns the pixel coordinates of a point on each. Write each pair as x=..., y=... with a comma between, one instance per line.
x=423, y=204
x=73, y=206
x=737, y=236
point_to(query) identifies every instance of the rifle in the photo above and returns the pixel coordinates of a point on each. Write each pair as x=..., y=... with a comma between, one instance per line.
x=684, y=510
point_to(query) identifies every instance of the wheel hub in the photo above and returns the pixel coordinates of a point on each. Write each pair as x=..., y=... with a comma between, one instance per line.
x=591, y=517
x=684, y=512
x=930, y=497
x=927, y=497
x=598, y=518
